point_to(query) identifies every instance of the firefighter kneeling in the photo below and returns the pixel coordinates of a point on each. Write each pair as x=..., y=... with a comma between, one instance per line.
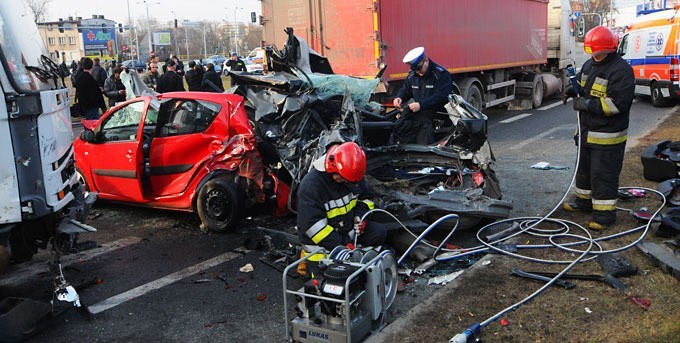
x=330, y=205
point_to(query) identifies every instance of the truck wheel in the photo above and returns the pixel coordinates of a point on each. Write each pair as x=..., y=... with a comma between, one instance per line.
x=474, y=96
x=220, y=204
x=537, y=91
x=657, y=96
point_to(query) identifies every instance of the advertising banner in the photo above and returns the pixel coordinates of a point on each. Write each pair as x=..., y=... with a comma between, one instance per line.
x=96, y=42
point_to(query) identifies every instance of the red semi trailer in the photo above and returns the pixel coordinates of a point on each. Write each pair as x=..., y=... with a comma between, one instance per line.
x=496, y=50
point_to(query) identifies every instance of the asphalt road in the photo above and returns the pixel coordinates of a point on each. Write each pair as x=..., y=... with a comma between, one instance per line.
x=174, y=283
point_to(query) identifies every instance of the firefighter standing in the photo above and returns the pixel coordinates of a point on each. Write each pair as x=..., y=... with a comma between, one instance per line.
x=605, y=95
x=429, y=85
x=328, y=201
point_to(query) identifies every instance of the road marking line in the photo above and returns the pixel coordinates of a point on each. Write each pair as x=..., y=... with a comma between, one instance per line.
x=551, y=106
x=38, y=265
x=162, y=282
x=517, y=117
x=523, y=143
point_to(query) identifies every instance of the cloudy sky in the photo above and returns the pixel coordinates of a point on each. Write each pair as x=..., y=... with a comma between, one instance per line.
x=192, y=10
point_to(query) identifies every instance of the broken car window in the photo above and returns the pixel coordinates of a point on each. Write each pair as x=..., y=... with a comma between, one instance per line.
x=122, y=125
x=182, y=117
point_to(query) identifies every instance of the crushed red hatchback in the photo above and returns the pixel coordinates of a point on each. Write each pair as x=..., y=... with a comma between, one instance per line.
x=189, y=151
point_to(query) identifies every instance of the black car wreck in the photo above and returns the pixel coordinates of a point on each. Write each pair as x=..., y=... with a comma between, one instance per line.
x=299, y=109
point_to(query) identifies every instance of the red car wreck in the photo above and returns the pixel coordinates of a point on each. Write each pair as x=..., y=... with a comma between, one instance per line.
x=189, y=151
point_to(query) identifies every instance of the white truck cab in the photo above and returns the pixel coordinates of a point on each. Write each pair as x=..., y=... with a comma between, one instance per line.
x=42, y=202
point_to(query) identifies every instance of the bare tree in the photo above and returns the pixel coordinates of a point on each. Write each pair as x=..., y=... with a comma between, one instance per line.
x=39, y=9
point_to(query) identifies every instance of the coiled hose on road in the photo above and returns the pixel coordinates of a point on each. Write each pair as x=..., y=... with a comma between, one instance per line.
x=529, y=225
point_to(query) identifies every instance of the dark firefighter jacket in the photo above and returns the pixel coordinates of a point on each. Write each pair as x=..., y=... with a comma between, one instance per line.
x=430, y=90
x=610, y=86
x=326, y=209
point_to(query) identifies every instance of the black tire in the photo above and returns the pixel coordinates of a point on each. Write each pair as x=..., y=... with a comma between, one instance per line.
x=657, y=96
x=220, y=205
x=474, y=96
x=537, y=91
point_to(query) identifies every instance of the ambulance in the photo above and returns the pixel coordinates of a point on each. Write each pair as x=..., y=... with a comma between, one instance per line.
x=650, y=46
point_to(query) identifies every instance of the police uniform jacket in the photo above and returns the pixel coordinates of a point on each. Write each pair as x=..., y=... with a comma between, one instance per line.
x=430, y=90
x=326, y=209
x=609, y=86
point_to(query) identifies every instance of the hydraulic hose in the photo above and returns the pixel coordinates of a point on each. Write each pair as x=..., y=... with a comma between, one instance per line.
x=529, y=225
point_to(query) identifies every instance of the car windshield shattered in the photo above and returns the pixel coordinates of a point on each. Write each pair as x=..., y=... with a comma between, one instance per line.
x=299, y=109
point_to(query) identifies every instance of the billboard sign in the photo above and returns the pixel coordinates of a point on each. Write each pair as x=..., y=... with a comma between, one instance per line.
x=96, y=41
x=161, y=38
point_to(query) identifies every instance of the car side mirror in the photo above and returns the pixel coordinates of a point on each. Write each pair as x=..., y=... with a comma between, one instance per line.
x=87, y=135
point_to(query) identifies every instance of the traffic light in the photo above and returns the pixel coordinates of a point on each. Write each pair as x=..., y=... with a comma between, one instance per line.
x=253, y=17
x=175, y=23
x=120, y=27
x=61, y=25
x=104, y=28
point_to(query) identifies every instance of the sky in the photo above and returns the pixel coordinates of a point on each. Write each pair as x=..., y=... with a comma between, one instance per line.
x=192, y=10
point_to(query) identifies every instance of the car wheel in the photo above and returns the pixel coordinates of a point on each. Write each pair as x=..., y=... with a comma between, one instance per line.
x=657, y=96
x=82, y=181
x=220, y=205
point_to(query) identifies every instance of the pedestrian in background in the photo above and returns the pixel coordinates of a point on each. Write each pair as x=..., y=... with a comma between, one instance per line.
x=99, y=73
x=606, y=89
x=151, y=77
x=88, y=94
x=170, y=81
x=114, y=88
x=211, y=81
x=194, y=77
x=429, y=85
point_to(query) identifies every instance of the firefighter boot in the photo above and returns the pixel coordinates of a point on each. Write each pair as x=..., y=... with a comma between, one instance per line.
x=578, y=205
x=602, y=220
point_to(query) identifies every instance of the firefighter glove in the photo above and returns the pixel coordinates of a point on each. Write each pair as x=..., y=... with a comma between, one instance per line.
x=581, y=104
x=360, y=227
x=350, y=246
x=569, y=92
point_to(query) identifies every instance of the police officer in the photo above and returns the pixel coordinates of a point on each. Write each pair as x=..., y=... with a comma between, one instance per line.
x=329, y=205
x=429, y=85
x=605, y=95
x=235, y=63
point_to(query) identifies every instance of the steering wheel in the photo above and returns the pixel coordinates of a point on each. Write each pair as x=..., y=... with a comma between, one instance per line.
x=46, y=61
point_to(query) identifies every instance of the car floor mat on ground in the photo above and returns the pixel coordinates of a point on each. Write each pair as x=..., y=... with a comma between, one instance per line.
x=663, y=257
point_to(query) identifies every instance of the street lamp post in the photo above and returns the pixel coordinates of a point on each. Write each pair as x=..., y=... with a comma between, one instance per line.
x=186, y=37
x=234, y=31
x=148, y=28
x=205, y=46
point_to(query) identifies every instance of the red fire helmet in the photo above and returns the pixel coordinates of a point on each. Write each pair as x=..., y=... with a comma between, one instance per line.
x=348, y=160
x=600, y=39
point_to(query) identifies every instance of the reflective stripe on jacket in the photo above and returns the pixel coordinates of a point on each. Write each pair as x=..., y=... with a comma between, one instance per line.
x=326, y=209
x=610, y=84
